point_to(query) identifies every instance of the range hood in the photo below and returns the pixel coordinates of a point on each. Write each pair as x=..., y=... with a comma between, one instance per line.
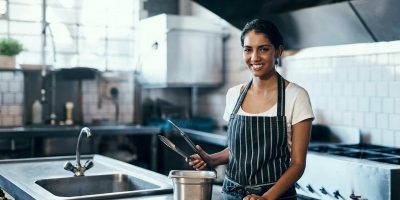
x=309, y=23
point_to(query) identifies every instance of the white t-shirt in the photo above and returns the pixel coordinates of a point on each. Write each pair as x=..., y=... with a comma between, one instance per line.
x=297, y=106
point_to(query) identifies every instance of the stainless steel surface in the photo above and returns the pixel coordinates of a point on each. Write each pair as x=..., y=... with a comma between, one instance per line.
x=167, y=37
x=308, y=23
x=20, y=182
x=79, y=170
x=172, y=146
x=91, y=185
x=335, y=134
x=343, y=171
x=301, y=29
x=196, y=185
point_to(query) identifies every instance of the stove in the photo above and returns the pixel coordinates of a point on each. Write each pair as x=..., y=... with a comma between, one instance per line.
x=340, y=167
x=351, y=171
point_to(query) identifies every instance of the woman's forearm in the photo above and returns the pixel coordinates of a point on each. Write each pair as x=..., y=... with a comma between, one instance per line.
x=286, y=181
x=220, y=158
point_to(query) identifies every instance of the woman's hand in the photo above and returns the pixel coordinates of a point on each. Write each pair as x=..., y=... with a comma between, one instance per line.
x=253, y=197
x=196, y=162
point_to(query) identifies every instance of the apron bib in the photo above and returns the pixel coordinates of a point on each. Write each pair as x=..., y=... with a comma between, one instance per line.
x=259, y=152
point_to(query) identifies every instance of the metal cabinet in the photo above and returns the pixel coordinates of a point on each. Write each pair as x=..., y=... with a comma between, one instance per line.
x=180, y=51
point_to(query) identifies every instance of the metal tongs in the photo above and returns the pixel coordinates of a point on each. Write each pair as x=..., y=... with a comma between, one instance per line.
x=172, y=146
x=192, y=146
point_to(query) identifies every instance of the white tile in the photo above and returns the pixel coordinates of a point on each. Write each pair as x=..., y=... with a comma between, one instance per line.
x=383, y=59
x=388, y=138
x=364, y=104
x=382, y=121
x=18, y=121
x=19, y=98
x=394, y=89
x=8, y=98
x=394, y=58
x=8, y=76
x=4, y=86
x=397, y=138
x=389, y=73
x=364, y=74
x=15, y=87
x=358, y=89
x=358, y=119
x=7, y=121
x=376, y=104
x=376, y=137
x=4, y=110
x=15, y=110
x=394, y=120
x=397, y=106
x=369, y=89
x=396, y=71
x=375, y=73
x=388, y=105
x=382, y=89
x=370, y=120
x=352, y=104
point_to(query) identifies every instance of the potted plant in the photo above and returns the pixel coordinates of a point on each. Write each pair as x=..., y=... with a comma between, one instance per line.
x=9, y=48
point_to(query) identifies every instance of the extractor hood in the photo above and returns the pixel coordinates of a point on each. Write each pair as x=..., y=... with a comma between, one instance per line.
x=309, y=23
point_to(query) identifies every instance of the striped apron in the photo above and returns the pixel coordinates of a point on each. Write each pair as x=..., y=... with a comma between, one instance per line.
x=259, y=152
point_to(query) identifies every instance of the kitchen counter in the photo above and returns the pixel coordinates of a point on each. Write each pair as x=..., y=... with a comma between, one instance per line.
x=19, y=177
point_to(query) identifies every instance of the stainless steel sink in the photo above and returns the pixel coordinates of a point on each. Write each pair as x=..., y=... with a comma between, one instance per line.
x=99, y=184
x=46, y=179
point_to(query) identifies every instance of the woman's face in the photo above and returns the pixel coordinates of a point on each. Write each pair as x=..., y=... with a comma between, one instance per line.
x=259, y=54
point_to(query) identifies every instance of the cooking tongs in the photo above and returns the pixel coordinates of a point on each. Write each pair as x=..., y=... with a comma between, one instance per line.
x=192, y=145
x=172, y=146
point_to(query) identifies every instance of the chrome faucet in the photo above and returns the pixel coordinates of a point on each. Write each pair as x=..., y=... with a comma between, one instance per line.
x=79, y=170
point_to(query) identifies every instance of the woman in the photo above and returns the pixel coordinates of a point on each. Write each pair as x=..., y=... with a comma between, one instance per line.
x=269, y=124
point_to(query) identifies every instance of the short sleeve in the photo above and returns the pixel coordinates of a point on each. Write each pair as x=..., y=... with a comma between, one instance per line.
x=302, y=108
x=231, y=97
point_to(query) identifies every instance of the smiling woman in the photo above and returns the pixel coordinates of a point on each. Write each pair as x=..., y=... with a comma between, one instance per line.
x=269, y=123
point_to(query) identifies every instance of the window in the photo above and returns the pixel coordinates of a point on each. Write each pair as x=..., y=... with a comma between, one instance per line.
x=86, y=33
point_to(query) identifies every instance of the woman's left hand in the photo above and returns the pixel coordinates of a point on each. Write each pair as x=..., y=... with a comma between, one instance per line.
x=253, y=197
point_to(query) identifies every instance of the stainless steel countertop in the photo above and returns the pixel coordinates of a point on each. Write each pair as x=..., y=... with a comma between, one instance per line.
x=18, y=176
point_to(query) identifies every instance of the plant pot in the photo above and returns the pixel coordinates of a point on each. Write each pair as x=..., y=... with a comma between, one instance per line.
x=7, y=62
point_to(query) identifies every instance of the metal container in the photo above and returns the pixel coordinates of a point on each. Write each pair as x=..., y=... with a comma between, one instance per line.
x=193, y=185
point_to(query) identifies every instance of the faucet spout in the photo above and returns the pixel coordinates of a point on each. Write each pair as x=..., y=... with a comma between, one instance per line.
x=79, y=170
x=78, y=145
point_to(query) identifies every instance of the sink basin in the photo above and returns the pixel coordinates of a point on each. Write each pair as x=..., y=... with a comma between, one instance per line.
x=98, y=184
x=46, y=179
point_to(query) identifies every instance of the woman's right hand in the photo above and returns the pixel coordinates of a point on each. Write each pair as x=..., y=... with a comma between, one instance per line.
x=195, y=160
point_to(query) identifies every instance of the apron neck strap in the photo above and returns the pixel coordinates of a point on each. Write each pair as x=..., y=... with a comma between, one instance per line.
x=281, y=96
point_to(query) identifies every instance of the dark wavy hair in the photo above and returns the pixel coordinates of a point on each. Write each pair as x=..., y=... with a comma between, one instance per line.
x=263, y=26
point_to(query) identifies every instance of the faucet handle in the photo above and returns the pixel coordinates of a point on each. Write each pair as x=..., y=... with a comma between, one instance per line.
x=88, y=164
x=68, y=166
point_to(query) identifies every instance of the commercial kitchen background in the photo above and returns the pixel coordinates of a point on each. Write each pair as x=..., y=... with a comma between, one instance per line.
x=351, y=85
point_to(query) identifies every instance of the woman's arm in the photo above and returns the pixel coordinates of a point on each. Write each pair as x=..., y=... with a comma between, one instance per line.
x=215, y=159
x=300, y=139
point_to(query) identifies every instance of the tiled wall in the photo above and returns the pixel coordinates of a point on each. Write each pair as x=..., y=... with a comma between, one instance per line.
x=353, y=85
x=97, y=102
x=11, y=98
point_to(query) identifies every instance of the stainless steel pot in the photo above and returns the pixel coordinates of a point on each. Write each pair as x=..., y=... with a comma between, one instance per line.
x=193, y=185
